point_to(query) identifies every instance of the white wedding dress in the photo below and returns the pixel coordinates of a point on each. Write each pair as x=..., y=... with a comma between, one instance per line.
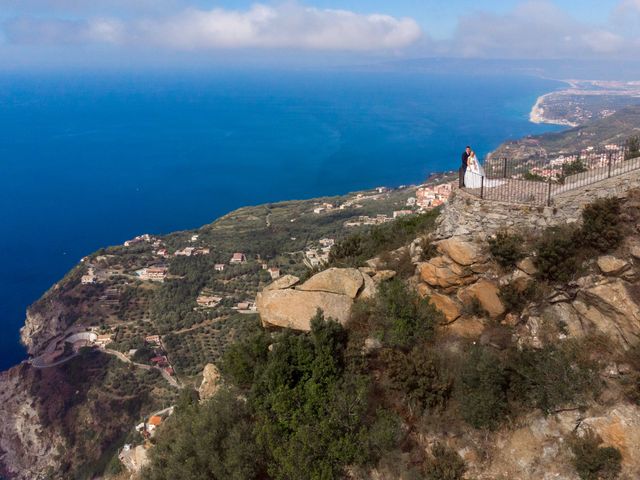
x=474, y=175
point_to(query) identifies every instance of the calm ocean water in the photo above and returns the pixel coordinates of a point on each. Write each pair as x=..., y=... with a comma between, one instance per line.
x=89, y=161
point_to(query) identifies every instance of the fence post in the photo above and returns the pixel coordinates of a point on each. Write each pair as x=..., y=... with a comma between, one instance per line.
x=549, y=195
x=504, y=170
x=610, y=159
x=482, y=186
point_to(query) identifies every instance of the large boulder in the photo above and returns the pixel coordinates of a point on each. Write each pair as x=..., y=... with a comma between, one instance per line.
x=466, y=327
x=295, y=308
x=444, y=273
x=451, y=309
x=383, y=275
x=611, y=309
x=370, y=288
x=610, y=265
x=211, y=381
x=461, y=252
x=565, y=316
x=486, y=293
x=527, y=266
x=283, y=283
x=341, y=281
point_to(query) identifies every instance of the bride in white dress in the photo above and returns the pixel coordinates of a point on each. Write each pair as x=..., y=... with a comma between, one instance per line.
x=475, y=173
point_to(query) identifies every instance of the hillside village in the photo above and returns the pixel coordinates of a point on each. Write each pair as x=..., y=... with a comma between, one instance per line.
x=144, y=263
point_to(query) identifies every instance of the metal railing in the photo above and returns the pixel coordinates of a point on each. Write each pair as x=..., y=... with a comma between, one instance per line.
x=538, y=180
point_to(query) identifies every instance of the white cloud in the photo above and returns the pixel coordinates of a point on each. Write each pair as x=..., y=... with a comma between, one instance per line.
x=290, y=26
x=534, y=29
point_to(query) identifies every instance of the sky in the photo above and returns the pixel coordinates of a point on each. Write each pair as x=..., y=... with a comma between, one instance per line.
x=125, y=32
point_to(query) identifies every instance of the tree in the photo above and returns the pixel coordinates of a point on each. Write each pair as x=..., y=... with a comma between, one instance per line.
x=633, y=148
x=210, y=441
x=572, y=168
x=243, y=360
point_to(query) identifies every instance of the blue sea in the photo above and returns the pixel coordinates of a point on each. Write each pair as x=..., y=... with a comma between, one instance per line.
x=92, y=160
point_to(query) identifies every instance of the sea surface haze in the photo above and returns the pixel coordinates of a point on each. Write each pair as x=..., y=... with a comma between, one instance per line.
x=91, y=160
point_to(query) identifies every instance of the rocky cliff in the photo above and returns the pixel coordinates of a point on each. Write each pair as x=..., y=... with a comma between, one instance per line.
x=598, y=308
x=28, y=446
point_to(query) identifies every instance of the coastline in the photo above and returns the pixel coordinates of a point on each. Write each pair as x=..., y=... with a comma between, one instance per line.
x=525, y=131
x=537, y=114
x=578, y=104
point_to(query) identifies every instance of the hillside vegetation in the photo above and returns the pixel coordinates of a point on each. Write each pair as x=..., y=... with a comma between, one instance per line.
x=403, y=392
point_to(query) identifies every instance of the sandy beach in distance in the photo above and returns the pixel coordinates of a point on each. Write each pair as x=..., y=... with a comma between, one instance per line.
x=579, y=88
x=537, y=112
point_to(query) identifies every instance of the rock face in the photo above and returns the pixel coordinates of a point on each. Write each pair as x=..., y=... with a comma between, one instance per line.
x=341, y=281
x=27, y=447
x=295, y=308
x=39, y=328
x=286, y=281
x=527, y=266
x=449, y=307
x=619, y=428
x=610, y=309
x=444, y=273
x=610, y=265
x=538, y=449
x=211, y=380
x=370, y=289
x=486, y=293
x=461, y=252
x=333, y=291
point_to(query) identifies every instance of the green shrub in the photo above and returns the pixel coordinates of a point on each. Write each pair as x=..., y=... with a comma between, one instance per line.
x=550, y=377
x=420, y=376
x=507, y=249
x=481, y=389
x=473, y=308
x=356, y=249
x=633, y=148
x=429, y=249
x=593, y=462
x=571, y=168
x=444, y=464
x=143, y=354
x=310, y=413
x=533, y=177
x=401, y=263
x=602, y=227
x=556, y=254
x=407, y=318
x=515, y=298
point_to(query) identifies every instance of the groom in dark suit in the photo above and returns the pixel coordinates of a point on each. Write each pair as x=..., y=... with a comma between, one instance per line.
x=463, y=168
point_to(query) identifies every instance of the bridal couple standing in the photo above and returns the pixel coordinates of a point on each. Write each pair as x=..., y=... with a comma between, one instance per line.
x=472, y=173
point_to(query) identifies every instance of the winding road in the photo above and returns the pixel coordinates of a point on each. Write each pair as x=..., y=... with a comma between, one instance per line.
x=122, y=357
